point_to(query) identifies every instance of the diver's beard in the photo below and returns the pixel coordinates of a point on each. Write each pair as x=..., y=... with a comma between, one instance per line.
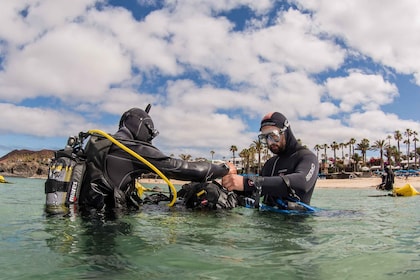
x=276, y=148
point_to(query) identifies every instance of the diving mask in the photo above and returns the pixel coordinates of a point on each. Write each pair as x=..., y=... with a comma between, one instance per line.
x=272, y=136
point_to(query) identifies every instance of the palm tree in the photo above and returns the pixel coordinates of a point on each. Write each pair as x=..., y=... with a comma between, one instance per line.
x=212, y=154
x=389, y=137
x=393, y=152
x=351, y=143
x=363, y=147
x=324, y=161
x=245, y=155
x=259, y=147
x=342, y=146
x=408, y=132
x=356, y=159
x=233, y=149
x=317, y=148
x=398, y=137
x=265, y=153
x=380, y=145
x=334, y=146
x=415, y=148
x=325, y=147
x=252, y=152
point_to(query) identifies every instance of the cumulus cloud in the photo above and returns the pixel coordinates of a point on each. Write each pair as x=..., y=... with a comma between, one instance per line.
x=41, y=122
x=358, y=89
x=208, y=78
x=383, y=30
x=71, y=63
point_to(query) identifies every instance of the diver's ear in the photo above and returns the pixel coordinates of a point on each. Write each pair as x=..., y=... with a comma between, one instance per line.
x=148, y=108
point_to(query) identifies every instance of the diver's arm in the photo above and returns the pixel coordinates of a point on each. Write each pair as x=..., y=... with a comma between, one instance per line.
x=199, y=171
x=301, y=181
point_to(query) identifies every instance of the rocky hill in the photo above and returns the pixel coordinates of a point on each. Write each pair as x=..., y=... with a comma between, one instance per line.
x=26, y=163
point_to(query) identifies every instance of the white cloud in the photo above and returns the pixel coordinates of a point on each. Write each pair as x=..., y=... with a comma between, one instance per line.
x=42, y=122
x=72, y=63
x=377, y=123
x=182, y=131
x=385, y=30
x=358, y=89
x=189, y=7
x=209, y=82
x=296, y=95
x=146, y=42
x=294, y=43
x=19, y=28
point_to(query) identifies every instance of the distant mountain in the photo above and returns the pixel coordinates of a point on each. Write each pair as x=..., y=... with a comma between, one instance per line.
x=27, y=155
x=26, y=163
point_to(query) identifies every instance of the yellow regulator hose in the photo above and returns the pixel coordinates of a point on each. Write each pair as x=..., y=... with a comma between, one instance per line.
x=140, y=158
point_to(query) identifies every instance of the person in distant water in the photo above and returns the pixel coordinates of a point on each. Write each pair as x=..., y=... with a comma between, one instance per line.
x=387, y=183
x=109, y=183
x=290, y=175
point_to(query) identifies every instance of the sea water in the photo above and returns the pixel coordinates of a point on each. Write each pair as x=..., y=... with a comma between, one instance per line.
x=353, y=236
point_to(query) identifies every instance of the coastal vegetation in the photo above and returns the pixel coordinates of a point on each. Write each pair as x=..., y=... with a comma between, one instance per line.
x=342, y=156
x=398, y=150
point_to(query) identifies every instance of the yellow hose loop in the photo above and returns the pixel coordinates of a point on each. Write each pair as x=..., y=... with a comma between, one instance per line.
x=140, y=158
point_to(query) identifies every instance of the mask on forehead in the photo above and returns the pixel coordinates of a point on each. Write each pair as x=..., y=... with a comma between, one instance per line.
x=275, y=119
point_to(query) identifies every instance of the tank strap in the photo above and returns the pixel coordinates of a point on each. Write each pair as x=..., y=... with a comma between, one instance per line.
x=52, y=186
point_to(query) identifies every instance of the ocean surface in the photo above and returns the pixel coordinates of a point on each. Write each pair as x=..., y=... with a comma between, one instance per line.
x=353, y=236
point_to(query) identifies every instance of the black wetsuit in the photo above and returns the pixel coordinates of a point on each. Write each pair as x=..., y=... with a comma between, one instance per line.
x=290, y=174
x=111, y=172
x=387, y=180
x=120, y=166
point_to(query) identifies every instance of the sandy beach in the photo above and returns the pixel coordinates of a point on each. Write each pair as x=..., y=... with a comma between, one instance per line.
x=370, y=182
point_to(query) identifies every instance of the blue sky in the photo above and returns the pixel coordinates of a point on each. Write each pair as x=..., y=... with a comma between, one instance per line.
x=211, y=70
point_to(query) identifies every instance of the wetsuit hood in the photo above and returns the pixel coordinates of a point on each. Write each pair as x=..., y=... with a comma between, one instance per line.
x=292, y=145
x=279, y=120
x=138, y=125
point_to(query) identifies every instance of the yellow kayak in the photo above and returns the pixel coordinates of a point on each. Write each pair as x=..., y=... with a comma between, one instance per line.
x=406, y=190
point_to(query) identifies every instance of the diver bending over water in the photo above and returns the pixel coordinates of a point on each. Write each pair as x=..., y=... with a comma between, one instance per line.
x=102, y=177
x=111, y=172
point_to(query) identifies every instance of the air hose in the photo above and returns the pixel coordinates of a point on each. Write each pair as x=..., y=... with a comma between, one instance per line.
x=140, y=158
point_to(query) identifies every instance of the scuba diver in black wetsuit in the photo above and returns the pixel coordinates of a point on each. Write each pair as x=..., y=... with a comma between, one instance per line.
x=109, y=182
x=286, y=178
x=387, y=183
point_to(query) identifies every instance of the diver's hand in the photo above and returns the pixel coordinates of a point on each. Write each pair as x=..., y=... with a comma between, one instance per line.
x=232, y=168
x=233, y=182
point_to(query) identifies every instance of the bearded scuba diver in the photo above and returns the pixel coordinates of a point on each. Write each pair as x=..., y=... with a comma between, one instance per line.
x=109, y=179
x=287, y=180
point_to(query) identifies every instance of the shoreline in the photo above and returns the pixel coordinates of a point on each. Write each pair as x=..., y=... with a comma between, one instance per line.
x=356, y=183
x=365, y=183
